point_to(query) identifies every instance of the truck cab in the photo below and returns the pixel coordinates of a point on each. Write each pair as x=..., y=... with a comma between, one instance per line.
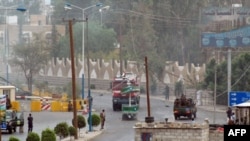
x=119, y=82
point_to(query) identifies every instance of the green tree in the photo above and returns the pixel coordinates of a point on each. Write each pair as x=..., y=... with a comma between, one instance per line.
x=33, y=137
x=96, y=120
x=31, y=57
x=72, y=131
x=12, y=138
x=48, y=135
x=54, y=42
x=62, y=130
x=239, y=78
x=81, y=122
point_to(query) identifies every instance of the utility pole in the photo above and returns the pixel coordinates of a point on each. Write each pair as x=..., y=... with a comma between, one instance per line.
x=149, y=118
x=120, y=47
x=73, y=76
x=70, y=22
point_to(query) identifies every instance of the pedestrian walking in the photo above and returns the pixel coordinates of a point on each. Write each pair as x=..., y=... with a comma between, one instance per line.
x=30, y=123
x=103, y=118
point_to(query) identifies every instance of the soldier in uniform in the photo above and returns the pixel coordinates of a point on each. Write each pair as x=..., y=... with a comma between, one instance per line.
x=102, y=116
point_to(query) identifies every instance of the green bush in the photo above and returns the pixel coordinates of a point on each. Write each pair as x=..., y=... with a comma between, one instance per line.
x=33, y=137
x=72, y=131
x=62, y=130
x=81, y=122
x=96, y=120
x=13, y=139
x=48, y=135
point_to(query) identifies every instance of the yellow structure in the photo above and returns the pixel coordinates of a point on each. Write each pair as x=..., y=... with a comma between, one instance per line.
x=15, y=105
x=35, y=106
x=62, y=106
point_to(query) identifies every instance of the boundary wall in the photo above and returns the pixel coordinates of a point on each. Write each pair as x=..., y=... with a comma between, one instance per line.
x=174, y=131
x=58, y=72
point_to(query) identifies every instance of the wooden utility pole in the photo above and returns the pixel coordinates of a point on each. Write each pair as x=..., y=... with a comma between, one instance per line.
x=73, y=77
x=120, y=47
x=148, y=119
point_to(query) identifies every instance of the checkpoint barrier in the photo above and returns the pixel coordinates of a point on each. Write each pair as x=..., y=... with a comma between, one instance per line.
x=57, y=106
x=62, y=106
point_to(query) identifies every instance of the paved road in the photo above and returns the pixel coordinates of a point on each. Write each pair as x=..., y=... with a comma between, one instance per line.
x=119, y=130
x=115, y=128
x=42, y=120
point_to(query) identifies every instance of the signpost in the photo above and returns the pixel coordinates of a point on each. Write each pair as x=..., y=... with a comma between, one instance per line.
x=238, y=97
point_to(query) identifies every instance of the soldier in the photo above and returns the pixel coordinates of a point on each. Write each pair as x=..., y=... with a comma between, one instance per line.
x=30, y=123
x=102, y=116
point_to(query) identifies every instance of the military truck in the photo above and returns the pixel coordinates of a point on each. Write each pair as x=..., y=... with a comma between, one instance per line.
x=184, y=107
x=119, y=98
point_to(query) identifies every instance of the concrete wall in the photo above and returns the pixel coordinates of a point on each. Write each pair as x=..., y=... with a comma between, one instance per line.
x=101, y=70
x=174, y=131
x=215, y=135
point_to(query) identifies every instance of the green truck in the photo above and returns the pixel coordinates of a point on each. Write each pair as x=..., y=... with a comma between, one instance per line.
x=129, y=111
x=184, y=108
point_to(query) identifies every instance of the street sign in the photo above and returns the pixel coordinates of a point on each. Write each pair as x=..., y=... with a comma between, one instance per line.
x=238, y=97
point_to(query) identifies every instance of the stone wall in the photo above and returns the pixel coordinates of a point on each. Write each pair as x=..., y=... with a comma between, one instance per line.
x=215, y=135
x=107, y=70
x=174, y=131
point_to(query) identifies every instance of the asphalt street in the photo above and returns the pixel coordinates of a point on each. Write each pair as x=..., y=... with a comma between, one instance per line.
x=115, y=128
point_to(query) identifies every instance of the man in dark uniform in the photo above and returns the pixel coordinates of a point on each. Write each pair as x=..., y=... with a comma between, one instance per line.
x=30, y=123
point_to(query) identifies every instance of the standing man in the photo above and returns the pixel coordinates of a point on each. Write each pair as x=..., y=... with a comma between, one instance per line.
x=102, y=115
x=30, y=123
x=229, y=113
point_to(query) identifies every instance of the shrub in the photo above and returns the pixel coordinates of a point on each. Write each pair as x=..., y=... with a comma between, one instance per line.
x=13, y=139
x=72, y=131
x=96, y=120
x=62, y=130
x=48, y=135
x=81, y=122
x=33, y=137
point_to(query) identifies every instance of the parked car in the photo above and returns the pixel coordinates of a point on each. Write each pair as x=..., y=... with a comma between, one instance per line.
x=12, y=119
x=19, y=119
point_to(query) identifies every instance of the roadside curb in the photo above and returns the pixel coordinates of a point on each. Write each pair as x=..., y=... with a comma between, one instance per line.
x=84, y=136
